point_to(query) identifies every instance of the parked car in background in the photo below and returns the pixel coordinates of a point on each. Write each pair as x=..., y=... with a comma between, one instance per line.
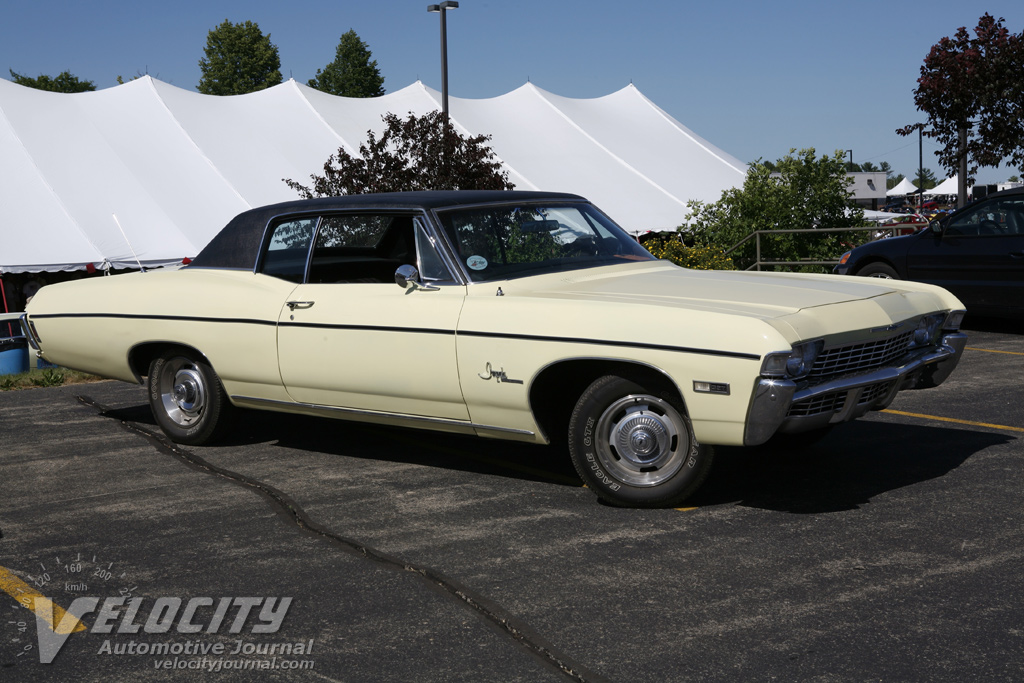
x=903, y=225
x=513, y=315
x=896, y=205
x=977, y=253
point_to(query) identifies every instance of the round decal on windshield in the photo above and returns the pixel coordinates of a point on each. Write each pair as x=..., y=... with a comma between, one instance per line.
x=476, y=262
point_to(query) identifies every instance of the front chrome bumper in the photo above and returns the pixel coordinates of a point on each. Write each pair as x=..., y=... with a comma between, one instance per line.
x=780, y=406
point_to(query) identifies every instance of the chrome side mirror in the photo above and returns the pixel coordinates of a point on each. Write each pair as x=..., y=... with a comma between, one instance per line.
x=936, y=226
x=408, y=278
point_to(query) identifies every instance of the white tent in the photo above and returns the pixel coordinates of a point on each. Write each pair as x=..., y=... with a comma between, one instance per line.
x=947, y=186
x=147, y=173
x=904, y=187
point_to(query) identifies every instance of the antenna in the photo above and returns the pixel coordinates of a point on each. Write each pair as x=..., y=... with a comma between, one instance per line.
x=118, y=223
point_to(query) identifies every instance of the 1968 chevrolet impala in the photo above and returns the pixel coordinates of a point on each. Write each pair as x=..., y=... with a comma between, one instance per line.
x=513, y=315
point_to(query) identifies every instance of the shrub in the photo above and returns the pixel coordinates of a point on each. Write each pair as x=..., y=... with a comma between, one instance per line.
x=697, y=257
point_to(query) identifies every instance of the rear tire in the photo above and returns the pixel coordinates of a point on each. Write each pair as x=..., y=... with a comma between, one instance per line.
x=635, y=447
x=187, y=398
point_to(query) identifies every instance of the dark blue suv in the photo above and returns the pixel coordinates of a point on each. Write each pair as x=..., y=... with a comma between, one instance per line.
x=977, y=253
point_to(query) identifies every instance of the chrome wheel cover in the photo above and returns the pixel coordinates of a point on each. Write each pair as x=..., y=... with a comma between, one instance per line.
x=641, y=440
x=183, y=391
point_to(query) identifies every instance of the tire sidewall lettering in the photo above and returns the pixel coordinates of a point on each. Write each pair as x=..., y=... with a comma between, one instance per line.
x=601, y=477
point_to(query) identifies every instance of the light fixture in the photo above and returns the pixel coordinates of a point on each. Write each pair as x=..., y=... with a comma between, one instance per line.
x=442, y=9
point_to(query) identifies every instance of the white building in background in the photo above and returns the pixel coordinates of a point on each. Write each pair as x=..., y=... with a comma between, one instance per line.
x=868, y=188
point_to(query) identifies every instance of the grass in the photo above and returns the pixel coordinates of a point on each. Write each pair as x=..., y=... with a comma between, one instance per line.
x=48, y=377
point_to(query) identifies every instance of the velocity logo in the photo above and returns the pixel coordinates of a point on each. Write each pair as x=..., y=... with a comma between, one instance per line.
x=124, y=615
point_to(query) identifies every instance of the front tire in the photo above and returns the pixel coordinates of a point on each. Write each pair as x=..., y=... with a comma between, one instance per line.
x=635, y=447
x=187, y=398
x=879, y=270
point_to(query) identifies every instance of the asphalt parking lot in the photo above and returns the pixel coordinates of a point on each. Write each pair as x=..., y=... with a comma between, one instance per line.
x=892, y=551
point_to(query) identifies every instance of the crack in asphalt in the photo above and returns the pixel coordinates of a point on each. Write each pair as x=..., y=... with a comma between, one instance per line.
x=283, y=505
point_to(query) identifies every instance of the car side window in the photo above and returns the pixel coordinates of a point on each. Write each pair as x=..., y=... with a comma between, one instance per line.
x=351, y=248
x=288, y=249
x=354, y=231
x=992, y=218
x=360, y=248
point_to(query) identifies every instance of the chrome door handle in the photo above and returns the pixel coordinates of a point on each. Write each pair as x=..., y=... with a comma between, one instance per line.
x=299, y=304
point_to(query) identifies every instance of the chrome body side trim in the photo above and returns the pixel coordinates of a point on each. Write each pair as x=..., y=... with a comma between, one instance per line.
x=846, y=398
x=370, y=415
x=29, y=331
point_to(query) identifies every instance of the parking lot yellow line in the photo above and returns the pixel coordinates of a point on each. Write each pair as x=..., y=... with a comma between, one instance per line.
x=1009, y=353
x=34, y=601
x=953, y=419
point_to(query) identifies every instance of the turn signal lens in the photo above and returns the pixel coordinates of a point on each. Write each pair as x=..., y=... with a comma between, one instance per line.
x=953, y=320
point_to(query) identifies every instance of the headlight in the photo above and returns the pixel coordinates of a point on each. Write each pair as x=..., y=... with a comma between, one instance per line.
x=927, y=332
x=795, y=364
x=844, y=258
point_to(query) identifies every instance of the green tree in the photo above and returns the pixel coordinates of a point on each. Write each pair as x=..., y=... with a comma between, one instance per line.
x=239, y=59
x=351, y=74
x=973, y=94
x=62, y=82
x=891, y=182
x=930, y=180
x=805, y=192
x=417, y=153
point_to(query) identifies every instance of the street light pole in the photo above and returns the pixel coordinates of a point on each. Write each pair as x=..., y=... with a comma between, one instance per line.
x=920, y=167
x=442, y=9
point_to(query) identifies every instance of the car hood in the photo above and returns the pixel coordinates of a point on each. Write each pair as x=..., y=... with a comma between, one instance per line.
x=756, y=294
x=893, y=248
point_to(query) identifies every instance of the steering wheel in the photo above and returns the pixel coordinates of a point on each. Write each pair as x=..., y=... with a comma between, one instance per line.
x=989, y=227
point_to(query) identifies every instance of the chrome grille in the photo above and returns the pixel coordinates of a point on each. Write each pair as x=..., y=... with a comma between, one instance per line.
x=841, y=360
x=833, y=401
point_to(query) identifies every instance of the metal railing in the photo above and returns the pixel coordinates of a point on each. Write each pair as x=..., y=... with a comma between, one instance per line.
x=881, y=232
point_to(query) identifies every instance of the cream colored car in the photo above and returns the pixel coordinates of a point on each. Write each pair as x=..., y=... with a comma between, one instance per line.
x=513, y=315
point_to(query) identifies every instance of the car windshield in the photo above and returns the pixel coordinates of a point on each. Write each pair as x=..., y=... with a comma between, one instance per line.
x=502, y=242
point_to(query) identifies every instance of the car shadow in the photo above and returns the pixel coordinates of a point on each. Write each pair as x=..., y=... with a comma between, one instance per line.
x=528, y=462
x=848, y=468
x=851, y=466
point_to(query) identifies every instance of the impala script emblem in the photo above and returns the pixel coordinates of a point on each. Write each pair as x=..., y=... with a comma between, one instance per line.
x=498, y=375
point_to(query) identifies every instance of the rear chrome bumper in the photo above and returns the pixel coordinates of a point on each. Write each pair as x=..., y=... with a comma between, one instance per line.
x=779, y=406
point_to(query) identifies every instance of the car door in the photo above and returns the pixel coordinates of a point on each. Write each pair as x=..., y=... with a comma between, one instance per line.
x=978, y=256
x=349, y=336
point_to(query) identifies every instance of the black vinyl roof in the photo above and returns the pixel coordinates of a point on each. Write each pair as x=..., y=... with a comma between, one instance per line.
x=237, y=245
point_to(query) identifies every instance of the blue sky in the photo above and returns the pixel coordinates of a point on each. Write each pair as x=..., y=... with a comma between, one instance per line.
x=754, y=78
